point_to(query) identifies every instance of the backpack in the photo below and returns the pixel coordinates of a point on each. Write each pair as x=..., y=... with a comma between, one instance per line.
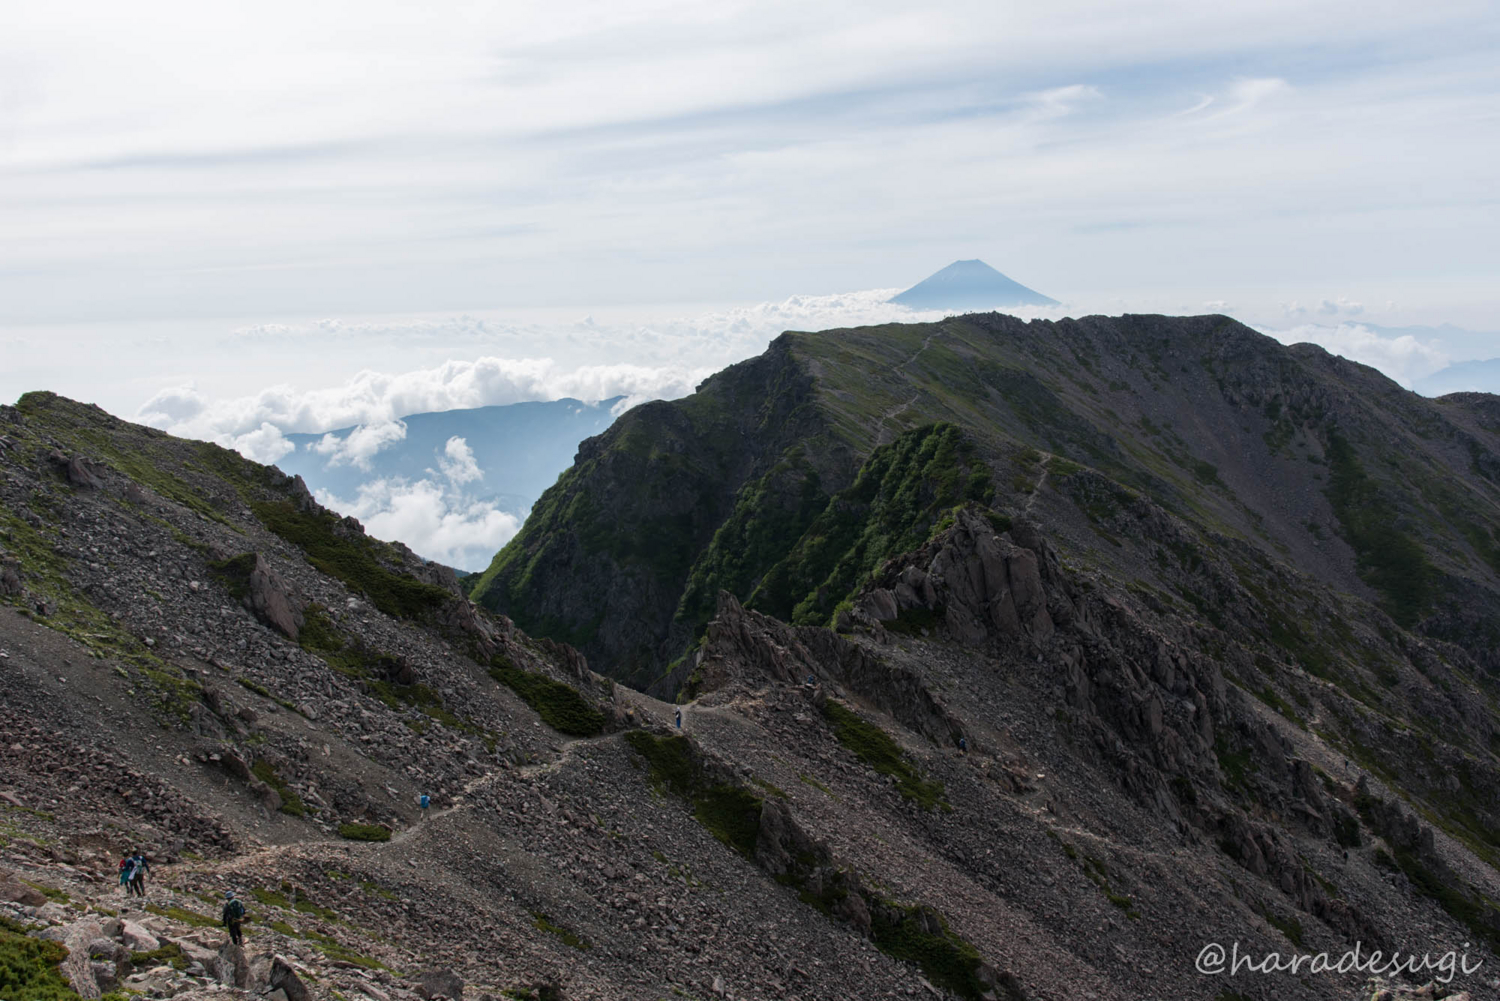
x=233, y=911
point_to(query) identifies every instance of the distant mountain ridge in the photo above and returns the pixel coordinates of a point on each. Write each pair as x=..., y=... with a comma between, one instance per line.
x=970, y=286
x=1480, y=376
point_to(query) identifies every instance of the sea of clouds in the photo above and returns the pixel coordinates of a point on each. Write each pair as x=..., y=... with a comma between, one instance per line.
x=443, y=515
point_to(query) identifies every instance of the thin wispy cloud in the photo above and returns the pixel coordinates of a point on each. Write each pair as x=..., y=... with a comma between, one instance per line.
x=179, y=159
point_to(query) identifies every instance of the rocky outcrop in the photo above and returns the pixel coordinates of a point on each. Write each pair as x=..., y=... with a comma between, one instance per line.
x=973, y=581
x=78, y=471
x=284, y=978
x=741, y=645
x=437, y=984
x=272, y=601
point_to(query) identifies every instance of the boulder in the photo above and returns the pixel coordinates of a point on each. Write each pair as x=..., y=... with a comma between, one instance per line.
x=106, y=976
x=10, y=578
x=78, y=968
x=107, y=948
x=233, y=966
x=440, y=984
x=268, y=797
x=272, y=601
x=137, y=938
x=258, y=972
x=283, y=978
x=16, y=892
x=52, y=911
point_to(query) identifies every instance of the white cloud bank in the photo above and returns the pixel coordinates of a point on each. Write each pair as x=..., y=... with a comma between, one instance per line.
x=434, y=515
x=680, y=352
x=1403, y=358
x=437, y=515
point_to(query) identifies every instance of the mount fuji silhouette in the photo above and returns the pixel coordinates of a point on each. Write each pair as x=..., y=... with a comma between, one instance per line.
x=970, y=285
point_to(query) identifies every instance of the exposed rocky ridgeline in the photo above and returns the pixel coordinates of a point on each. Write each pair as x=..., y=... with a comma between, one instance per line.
x=1308, y=459
x=1175, y=732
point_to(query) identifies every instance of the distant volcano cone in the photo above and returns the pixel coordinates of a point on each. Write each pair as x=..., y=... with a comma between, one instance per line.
x=972, y=286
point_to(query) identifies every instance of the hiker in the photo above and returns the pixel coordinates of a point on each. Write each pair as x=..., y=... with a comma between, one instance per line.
x=233, y=914
x=126, y=871
x=138, y=869
x=678, y=717
x=963, y=745
x=425, y=801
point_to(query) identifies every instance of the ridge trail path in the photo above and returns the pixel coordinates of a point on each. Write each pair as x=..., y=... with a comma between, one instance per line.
x=1041, y=482
x=890, y=413
x=564, y=756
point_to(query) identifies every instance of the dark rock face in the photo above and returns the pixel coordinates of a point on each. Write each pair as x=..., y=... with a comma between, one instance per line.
x=641, y=501
x=272, y=601
x=286, y=980
x=746, y=646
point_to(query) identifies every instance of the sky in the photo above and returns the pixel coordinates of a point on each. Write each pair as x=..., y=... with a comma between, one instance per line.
x=242, y=220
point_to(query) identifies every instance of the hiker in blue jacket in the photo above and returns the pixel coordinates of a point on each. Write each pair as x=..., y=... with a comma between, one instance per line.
x=138, y=869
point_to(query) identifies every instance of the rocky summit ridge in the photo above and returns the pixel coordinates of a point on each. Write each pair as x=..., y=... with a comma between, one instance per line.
x=1015, y=660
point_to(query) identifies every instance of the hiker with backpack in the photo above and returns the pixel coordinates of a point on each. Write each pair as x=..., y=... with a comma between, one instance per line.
x=138, y=869
x=232, y=915
x=126, y=871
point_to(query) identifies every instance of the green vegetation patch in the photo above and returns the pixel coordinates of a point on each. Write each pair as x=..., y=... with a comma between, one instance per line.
x=770, y=514
x=289, y=897
x=1290, y=927
x=29, y=966
x=1390, y=561
x=182, y=915
x=921, y=936
x=561, y=706
x=352, y=558
x=234, y=573
x=365, y=832
x=291, y=803
x=541, y=922
x=876, y=748
x=900, y=493
x=167, y=955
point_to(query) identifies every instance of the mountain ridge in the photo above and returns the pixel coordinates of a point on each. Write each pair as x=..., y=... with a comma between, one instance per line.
x=1240, y=437
x=1005, y=766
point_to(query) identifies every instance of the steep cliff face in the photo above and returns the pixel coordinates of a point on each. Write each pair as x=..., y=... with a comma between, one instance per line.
x=786, y=479
x=602, y=561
